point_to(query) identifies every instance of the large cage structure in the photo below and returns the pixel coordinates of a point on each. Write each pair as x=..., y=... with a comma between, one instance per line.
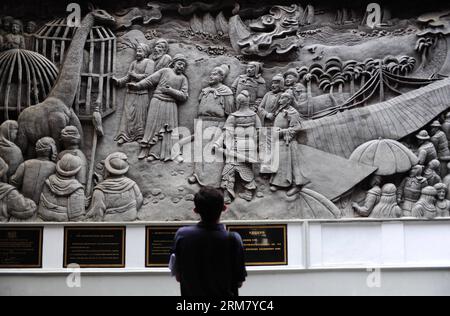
x=96, y=86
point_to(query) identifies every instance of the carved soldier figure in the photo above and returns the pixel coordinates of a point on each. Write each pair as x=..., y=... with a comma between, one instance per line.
x=171, y=87
x=216, y=104
x=71, y=140
x=440, y=142
x=15, y=39
x=269, y=104
x=426, y=151
x=31, y=175
x=387, y=207
x=442, y=204
x=240, y=140
x=426, y=206
x=135, y=109
x=160, y=55
x=372, y=198
x=431, y=172
x=410, y=190
x=117, y=198
x=14, y=207
x=9, y=151
x=253, y=83
x=62, y=198
x=287, y=124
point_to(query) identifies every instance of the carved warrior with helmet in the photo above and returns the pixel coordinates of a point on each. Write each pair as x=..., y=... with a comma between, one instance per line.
x=269, y=104
x=440, y=141
x=118, y=198
x=253, y=83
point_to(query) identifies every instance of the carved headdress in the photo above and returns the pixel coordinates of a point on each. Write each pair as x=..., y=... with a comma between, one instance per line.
x=177, y=58
x=224, y=70
x=69, y=166
x=117, y=164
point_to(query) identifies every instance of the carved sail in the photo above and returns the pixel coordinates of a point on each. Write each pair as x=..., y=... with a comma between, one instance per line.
x=394, y=119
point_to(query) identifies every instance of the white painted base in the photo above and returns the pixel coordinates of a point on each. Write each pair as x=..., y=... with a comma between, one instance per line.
x=325, y=258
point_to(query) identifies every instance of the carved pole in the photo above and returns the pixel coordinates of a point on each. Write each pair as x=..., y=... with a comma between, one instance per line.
x=381, y=82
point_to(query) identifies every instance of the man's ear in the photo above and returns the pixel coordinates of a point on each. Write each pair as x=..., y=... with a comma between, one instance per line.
x=196, y=211
x=225, y=208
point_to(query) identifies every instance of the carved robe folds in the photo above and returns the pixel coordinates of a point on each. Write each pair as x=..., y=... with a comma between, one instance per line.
x=289, y=171
x=215, y=106
x=14, y=207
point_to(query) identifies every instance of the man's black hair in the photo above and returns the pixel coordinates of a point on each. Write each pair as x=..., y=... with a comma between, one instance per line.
x=209, y=203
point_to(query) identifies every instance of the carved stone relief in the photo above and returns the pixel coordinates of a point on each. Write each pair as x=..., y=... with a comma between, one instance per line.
x=295, y=111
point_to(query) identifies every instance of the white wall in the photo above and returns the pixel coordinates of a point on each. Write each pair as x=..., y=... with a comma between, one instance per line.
x=325, y=258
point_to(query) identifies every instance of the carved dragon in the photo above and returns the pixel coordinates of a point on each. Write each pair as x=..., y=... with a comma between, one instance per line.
x=51, y=116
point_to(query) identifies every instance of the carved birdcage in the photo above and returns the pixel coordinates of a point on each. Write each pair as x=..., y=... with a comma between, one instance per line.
x=96, y=86
x=26, y=78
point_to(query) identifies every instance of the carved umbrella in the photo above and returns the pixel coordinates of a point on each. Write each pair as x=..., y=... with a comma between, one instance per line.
x=389, y=156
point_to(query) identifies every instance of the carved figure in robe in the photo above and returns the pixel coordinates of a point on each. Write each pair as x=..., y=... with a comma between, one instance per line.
x=253, y=83
x=160, y=55
x=9, y=151
x=372, y=198
x=387, y=207
x=426, y=207
x=442, y=203
x=410, y=189
x=269, y=103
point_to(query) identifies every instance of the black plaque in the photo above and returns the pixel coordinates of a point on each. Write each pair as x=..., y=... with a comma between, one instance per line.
x=264, y=245
x=94, y=247
x=21, y=247
x=159, y=242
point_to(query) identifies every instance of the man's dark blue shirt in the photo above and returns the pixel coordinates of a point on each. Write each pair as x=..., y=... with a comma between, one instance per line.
x=209, y=260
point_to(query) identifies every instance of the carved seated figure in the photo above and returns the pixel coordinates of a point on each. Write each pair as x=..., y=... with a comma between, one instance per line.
x=240, y=140
x=442, y=204
x=62, y=199
x=410, y=190
x=372, y=198
x=14, y=207
x=31, y=175
x=426, y=206
x=431, y=172
x=387, y=207
x=118, y=198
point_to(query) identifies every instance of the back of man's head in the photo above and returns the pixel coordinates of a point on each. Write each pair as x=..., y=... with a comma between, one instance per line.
x=209, y=204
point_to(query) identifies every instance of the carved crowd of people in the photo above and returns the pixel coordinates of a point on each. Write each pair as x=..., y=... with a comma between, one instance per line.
x=52, y=186
x=424, y=193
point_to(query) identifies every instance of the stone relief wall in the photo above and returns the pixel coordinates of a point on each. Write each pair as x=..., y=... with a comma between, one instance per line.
x=296, y=111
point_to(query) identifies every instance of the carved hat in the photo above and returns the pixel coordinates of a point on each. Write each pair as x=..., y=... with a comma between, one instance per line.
x=244, y=96
x=224, y=70
x=70, y=133
x=145, y=48
x=389, y=189
x=3, y=168
x=259, y=68
x=436, y=124
x=69, y=165
x=423, y=135
x=179, y=57
x=429, y=191
x=434, y=164
x=117, y=164
x=292, y=72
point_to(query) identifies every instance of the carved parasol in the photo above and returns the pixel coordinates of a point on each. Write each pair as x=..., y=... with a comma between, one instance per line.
x=389, y=156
